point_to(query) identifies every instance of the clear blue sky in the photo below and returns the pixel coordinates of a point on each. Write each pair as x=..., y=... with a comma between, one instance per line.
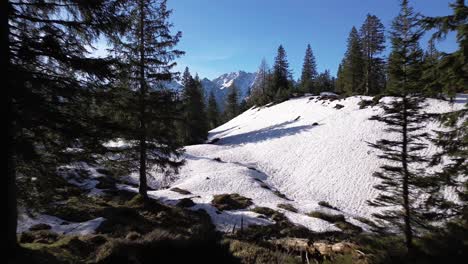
x=222, y=36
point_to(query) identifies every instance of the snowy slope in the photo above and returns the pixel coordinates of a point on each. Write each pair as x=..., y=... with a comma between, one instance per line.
x=280, y=147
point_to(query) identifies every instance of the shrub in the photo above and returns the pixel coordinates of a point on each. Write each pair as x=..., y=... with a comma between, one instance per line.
x=348, y=227
x=327, y=217
x=326, y=204
x=181, y=191
x=288, y=207
x=365, y=103
x=231, y=201
x=185, y=203
x=264, y=211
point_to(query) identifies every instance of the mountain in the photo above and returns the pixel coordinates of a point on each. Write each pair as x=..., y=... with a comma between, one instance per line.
x=221, y=85
x=301, y=152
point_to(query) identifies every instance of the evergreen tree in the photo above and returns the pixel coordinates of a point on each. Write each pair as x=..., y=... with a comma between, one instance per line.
x=373, y=43
x=353, y=67
x=401, y=181
x=431, y=72
x=259, y=92
x=232, y=104
x=309, y=71
x=53, y=85
x=339, y=86
x=213, y=112
x=324, y=82
x=195, y=119
x=148, y=47
x=453, y=66
x=281, y=74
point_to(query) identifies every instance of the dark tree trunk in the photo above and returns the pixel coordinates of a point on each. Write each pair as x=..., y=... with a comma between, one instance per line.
x=143, y=148
x=12, y=213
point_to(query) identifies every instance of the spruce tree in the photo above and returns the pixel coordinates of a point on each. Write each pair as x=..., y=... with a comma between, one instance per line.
x=431, y=72
x=232, y=104
x=195, y=119
x=52, y=84
x=212, y=112
x=280, y=79
x=148, y=46
x=373, y=43
x=453, y=66
x=339, y=85
x=324, y=82
x=259, y=92
x=353, y=67
x=401, y=180
x=309, y=71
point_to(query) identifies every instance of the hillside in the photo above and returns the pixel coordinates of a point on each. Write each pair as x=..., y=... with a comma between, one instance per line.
x=300, y=152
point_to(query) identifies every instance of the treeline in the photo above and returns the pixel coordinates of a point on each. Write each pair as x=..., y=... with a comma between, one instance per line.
x=66, y=105
x=364, y=70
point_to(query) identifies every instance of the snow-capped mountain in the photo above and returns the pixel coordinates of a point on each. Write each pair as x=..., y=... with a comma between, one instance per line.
x=221, y=85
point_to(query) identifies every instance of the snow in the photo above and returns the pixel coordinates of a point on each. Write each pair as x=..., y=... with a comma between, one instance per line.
x=82, y=175
x=280, y=148
x=58, y=225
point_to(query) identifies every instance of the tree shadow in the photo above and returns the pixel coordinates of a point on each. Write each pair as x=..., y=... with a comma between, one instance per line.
x=271, y=132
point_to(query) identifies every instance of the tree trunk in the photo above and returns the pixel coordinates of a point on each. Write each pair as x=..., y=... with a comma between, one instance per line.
x=12, y=212
x=406, y=206
x=143, y=188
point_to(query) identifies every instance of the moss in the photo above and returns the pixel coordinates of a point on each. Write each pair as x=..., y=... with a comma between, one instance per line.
x=327, y=217
x=231, y=201
x=181, y=191
x=287, y=207
x=264, y=211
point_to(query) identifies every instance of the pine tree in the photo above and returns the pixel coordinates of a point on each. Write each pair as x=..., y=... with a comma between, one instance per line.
x=401, y=180
x=453, y=66
x=353, y=67
x=281, y=74
x=309, y=71
x=373, y=43
x=53, y=83
x=148, y=47
x=213, y=112
x=232, y=104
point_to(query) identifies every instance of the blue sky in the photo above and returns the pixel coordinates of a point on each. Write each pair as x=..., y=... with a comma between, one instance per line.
x=221, y=36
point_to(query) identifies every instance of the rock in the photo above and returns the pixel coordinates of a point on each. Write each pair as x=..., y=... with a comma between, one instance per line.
x=214, y=140
x=339, y=106
x=40, y=226
x=185, y=203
